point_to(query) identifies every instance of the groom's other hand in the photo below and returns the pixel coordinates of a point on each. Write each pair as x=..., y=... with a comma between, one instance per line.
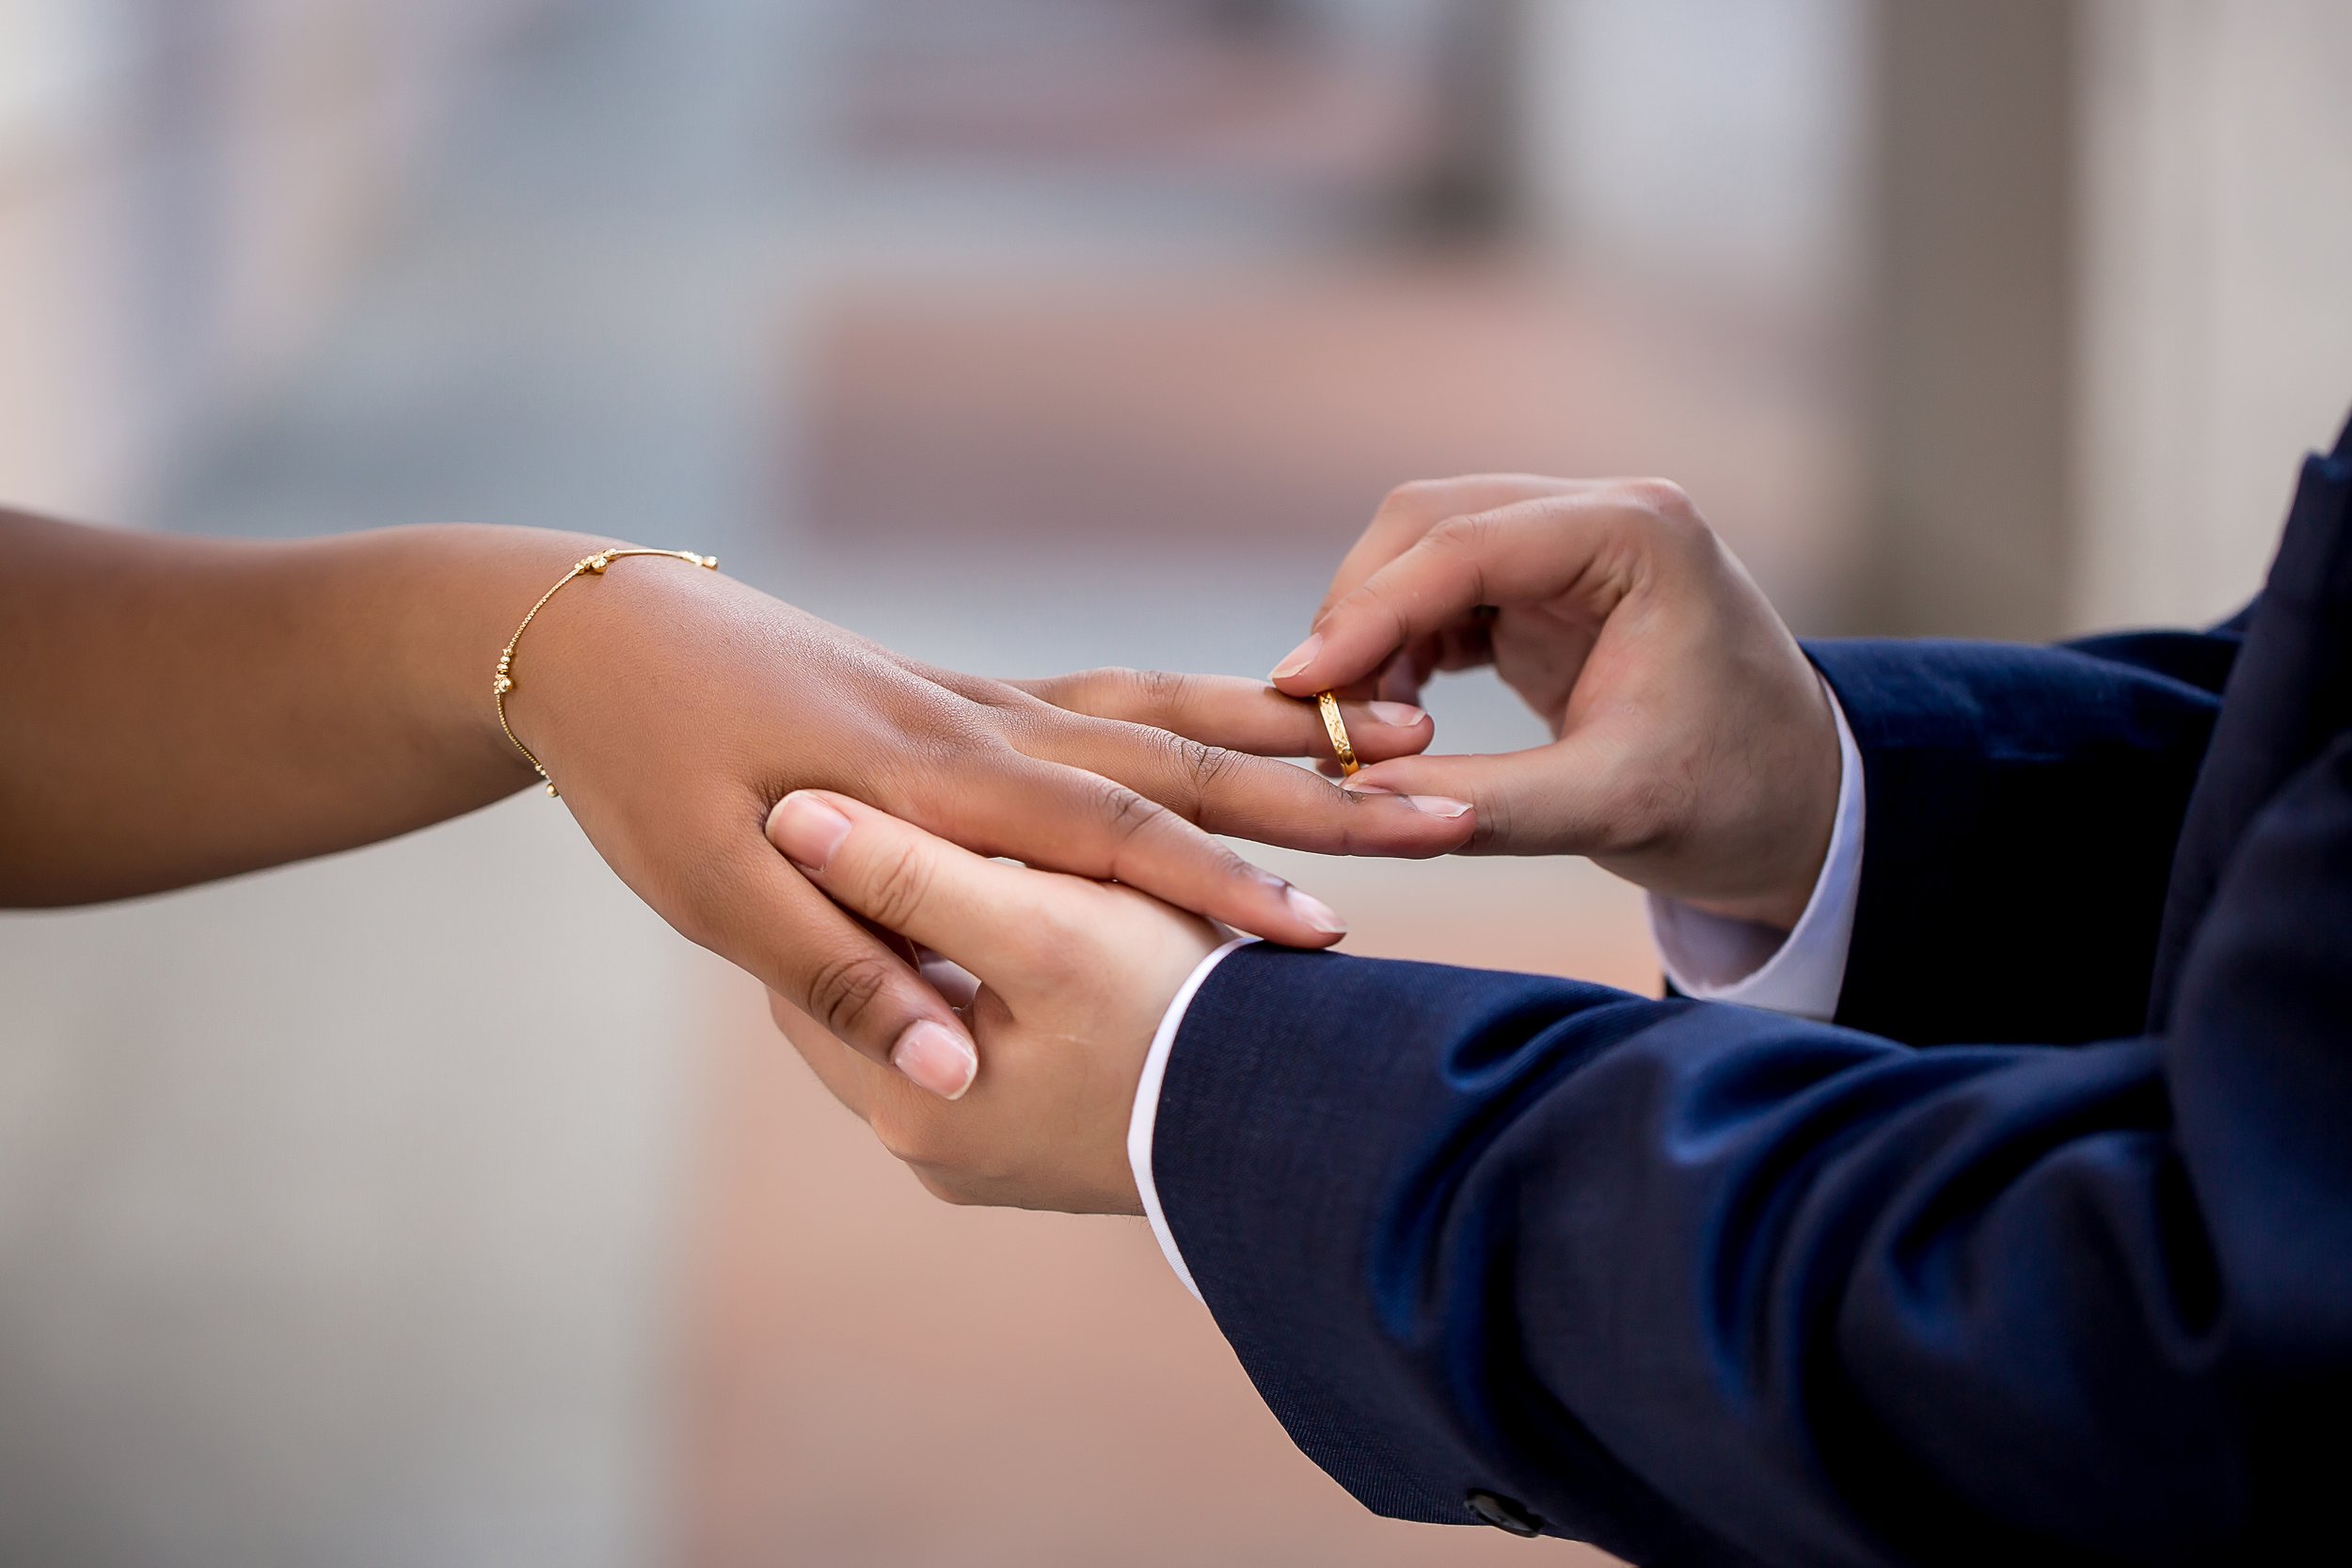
x=1063, y=983
x=1694, y=752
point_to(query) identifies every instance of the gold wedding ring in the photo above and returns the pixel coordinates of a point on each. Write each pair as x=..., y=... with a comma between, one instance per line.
x=1336, y=727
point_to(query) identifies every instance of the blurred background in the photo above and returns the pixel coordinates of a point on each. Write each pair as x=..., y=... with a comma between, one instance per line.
x=435, y=1204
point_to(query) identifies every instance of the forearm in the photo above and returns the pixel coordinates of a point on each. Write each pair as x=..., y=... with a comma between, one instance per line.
x=1706, y=1285
x=177, y=709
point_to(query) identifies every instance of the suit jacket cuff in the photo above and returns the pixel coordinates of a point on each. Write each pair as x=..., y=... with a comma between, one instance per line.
x=1143, y=1120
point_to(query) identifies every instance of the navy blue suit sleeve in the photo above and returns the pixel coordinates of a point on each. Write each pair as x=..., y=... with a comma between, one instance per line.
x=2022, y=805
x=1706, y=1285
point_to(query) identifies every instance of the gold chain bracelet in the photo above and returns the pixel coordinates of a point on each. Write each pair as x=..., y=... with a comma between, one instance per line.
x=586, y=566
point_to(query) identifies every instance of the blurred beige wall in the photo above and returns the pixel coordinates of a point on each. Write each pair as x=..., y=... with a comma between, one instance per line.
x=1716, y=140
x=2094, y=259
x=2216, y=288
x=2110, y=280
x=1964, y=319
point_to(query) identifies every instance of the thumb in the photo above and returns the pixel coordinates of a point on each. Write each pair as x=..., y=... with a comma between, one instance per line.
x=1545, y=800
x=963, y=907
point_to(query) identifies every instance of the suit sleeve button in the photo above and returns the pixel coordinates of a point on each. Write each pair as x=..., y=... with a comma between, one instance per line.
x=1504, y=1512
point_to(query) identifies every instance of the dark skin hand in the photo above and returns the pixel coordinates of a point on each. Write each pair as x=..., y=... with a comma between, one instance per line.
x=179, y=709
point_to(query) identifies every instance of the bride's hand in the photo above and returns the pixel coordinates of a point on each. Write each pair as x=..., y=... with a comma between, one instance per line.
x=674, y=708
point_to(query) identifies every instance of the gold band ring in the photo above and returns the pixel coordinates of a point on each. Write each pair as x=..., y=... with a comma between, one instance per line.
x=1336, y=728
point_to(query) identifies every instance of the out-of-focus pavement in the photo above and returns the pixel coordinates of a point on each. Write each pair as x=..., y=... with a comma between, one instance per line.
x=433, y=1203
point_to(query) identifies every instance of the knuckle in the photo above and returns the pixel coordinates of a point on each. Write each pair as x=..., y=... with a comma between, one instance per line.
x=1471, y=539
x=1467, y=533
x=845, y=989
x=1097, y=690
x=900, y=887
x=1494, y=823
x=1419, y=497
x=1161, y=691
x=1057, y=690
x=1407, y=499
x=1374, y=599
x=1661, y=496
x=1124, y=812
x=1665, y=505
x=1195, y=771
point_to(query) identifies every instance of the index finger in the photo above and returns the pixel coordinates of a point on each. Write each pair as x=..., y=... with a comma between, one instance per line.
x=971, y=910
x=1412, y=510
x=1530, y=549
x=757, y=912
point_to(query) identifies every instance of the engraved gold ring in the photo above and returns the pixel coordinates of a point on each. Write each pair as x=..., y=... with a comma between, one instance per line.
x=1336, y=727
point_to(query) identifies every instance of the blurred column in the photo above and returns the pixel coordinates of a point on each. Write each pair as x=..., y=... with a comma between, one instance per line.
x=1967, y=421
x=1470, y=187
x=2216, y=271
x=1705, y=142
x=186, y=186
x=64, y=378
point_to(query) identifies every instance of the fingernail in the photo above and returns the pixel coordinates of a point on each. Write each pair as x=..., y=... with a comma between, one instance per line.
x=806, y=829
x=936, y=1057
x=1436, y=805
x=1315, y=912
x=1401, y=715
x=1364, y=787
x=1298, y=659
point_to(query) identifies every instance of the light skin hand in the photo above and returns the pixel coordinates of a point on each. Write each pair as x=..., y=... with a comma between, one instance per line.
x=1694, y=751
x=1063, y=982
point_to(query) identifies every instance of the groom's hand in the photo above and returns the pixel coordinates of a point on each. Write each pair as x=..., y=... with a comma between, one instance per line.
x=1061, y=980
x=1694, y=748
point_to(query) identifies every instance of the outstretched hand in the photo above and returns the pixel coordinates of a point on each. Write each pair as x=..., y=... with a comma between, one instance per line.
x=305, y=697
x=673, y=708
x=1695, y=749
x=1062, y=981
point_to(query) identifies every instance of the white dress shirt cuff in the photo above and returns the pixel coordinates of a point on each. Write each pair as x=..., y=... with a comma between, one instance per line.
x=1146, y=1113
x=1715, y=959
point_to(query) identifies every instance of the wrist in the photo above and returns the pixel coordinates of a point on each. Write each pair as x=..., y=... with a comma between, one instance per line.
x=594, y=650
x=1788, y=853
x=1778, y=909
x=486, y=580
x=1779, y=898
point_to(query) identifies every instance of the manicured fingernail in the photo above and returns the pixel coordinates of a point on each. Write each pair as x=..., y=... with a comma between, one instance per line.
x=1315, y=912
x=936, y=1057
x=1298, y=659
x=1403, y=715
x=806, y=829
x=1436, y=805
